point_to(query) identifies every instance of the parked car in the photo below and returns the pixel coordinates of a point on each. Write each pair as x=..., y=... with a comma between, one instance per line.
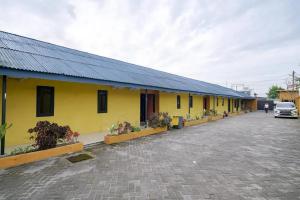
x=285, y=109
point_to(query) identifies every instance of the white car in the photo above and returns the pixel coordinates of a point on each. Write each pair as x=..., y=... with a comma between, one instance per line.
x=285, y=109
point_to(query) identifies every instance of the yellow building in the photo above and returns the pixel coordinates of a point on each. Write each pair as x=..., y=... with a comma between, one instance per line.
x=42, y=81
x=288, y=95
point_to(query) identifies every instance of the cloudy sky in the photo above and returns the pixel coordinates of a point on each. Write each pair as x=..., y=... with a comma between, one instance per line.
x=254, y=43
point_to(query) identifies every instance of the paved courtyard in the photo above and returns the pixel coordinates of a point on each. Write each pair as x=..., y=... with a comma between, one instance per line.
x=252, y=156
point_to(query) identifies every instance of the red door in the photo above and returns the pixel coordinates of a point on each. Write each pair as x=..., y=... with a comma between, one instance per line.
x=150, y=105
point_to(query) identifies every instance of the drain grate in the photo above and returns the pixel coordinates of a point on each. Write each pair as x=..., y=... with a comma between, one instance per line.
x=79, y=158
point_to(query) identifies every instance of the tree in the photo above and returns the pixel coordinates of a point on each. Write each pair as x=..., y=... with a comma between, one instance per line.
x=273, y=91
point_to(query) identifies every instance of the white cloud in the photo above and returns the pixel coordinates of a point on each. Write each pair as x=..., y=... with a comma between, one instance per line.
x=252, y=42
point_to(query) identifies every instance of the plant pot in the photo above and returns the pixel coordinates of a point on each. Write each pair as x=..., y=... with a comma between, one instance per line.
x=112, y=139
x=214, y=118
x=12, y=161
x=196, y=122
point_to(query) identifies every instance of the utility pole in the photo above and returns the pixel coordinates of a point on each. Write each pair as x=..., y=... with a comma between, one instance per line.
x=293, y=75
x=236, y=85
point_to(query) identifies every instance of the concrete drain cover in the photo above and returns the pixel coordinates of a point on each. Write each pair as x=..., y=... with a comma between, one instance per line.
x=79, y=157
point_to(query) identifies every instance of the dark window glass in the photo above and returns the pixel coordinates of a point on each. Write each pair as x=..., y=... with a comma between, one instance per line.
x=217, y=101
x=102, y=101
x=178, y=102
x=45, y=101
x=191, y=101
x=223, y=101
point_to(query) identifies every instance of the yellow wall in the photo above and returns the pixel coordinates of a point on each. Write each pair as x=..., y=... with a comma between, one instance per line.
x=168, y=103
x=75, y=105
x=288, y=95
x=233, y=109
x=212, y=103
x=297, y=101
x=197, y=109
x=221, y=108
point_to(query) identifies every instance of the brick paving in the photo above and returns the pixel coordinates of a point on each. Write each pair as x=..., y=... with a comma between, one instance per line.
x=252, y=156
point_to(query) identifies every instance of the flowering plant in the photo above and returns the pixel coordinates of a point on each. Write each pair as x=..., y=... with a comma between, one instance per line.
x=72, y=136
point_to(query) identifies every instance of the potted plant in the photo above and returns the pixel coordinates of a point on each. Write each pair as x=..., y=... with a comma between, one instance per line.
x=125, y=131
x=50, y=139
x=195, y=121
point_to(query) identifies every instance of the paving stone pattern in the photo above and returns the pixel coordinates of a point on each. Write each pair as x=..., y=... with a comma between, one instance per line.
x=253, y=156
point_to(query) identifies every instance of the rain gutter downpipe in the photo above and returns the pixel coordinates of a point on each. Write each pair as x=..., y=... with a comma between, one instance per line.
x=146, y=106
x=189, y=103
x=3, y=118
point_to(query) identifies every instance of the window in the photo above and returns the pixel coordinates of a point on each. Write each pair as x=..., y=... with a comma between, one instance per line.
x=178, y=102
x=217, y=101
x=223, y=101
x=102, y=101
x=44, y=101
x=191, y=101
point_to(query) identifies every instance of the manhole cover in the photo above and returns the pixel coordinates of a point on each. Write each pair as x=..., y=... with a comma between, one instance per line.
x=79, y=157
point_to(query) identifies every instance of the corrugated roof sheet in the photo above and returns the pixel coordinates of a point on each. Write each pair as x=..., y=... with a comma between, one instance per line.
x=22, y=53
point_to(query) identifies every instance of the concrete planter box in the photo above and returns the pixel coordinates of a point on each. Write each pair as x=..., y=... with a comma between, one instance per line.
x=112, y=139
x=12, y=161
x=196, y=122
x=215, y=118
x=236, y=113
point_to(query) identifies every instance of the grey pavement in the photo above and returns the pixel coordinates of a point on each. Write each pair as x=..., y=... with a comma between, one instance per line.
x=252, y=156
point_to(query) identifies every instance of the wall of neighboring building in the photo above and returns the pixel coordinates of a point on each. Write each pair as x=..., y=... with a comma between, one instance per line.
x=75, y=105
x=297, y=101
x=251, y=104
x=288, y=95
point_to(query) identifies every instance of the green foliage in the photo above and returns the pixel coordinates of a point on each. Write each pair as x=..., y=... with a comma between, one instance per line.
x=113, y=129
x=3, y=129
x=211, y=112
x=273, y=92
x=123, y=128
x=165, y=120
x=21, y=150
x=136, y=129
x=153, y=120
x=188, y=117
x=160, y=120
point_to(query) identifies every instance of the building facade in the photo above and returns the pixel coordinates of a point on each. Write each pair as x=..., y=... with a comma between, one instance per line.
x=42, y=81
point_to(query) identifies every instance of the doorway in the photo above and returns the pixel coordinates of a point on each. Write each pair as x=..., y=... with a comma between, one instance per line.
x=206, y=103
x=148, y=106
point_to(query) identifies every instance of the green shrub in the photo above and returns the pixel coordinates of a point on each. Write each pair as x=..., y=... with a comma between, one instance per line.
x=3, y=129
x=165, y=120
x=122, y=128
x=160, y=120
x=136, y=129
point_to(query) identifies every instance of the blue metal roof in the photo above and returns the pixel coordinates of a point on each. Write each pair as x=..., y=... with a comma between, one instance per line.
x=22, y=56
